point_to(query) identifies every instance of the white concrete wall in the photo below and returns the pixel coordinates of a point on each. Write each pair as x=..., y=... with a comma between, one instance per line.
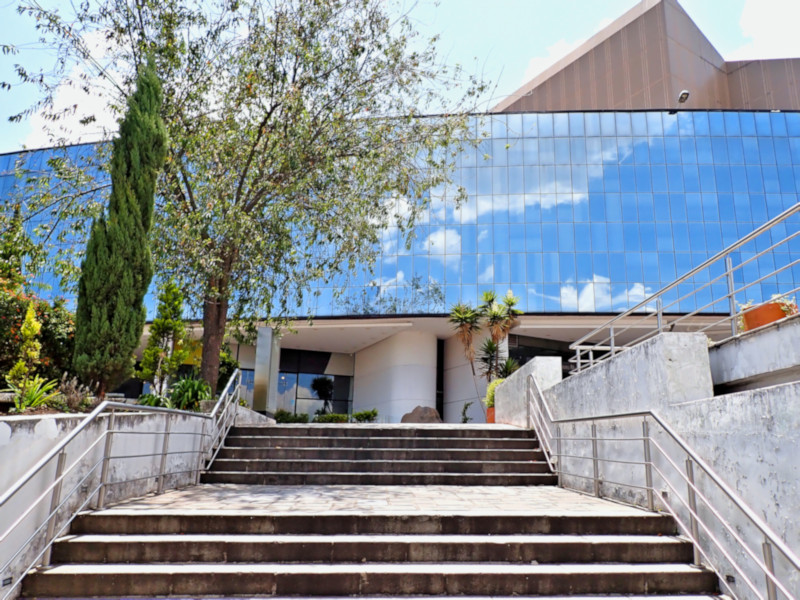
x=396, y=375
x=26, y=440
x=760, y=358
x=510, y=397
x=460, y=386
x=750, y=439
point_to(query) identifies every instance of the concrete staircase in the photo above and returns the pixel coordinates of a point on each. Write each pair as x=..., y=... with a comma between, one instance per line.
x=380, y=455
x=249, y=540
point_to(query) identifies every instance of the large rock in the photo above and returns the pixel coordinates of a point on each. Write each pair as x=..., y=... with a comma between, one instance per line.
x=422, y=414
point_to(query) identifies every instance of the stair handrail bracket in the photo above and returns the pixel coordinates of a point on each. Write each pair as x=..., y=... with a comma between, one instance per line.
x=706, y=299
x=638, y=459
x=117, y=452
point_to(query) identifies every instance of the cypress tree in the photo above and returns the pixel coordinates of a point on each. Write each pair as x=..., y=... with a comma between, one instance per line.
x=117, y=268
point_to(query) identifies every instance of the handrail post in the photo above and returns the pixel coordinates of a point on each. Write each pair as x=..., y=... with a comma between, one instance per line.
x=611, y=339
x=659, y=314
x=201, y=451
x=648, y=464
x=164, y=447
x=772, y=592
x=595, y=462
x=55, y=500
x=591, y=358
x=559, y=466
x=731, y=294
x=101, y=496
x=692, y=497
x=578, y=358
x=528, y=403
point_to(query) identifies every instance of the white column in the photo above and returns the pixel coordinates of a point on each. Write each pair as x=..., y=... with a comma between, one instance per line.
x=396, y=375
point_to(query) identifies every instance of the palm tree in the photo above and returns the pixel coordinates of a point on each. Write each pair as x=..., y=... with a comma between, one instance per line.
x=466, y=321
x=489, y=359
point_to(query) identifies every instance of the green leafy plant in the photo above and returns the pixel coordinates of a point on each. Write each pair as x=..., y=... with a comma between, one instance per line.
x=366, y=416
x=331, y=418
x=36, y=392
x=188, y=393
x=488, y=401
x=284, y=416
x=29, y=351
x=507, y=367
x=168, y=345
x=227, y=367
x=465, y=418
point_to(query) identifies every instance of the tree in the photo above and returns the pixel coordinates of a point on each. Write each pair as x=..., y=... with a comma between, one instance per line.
x=295, y=138
x=117, y=269
x=168, y=345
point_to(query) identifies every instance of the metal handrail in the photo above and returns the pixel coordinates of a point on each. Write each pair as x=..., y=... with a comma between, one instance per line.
x=608, y=346
x=542, y=420
x=221, y=419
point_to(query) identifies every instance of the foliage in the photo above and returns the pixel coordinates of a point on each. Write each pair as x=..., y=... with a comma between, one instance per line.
x=75, y=394
x=465, y=418
x=507, y=367
x=227, y=367
x=188, y=393
x=33, y=393
x=56, y=335
x=488, y=401
x=331, y=418
x=295, y=137
x=366, y=416
x=15, y=247
x=29, y=351
x=117, y=269
x=168, y=346
x=466, y=321
x=499, y=318
x=284, y=416
x=152, y=400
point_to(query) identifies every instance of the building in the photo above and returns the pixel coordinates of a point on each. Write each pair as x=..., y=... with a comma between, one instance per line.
x=606, y=194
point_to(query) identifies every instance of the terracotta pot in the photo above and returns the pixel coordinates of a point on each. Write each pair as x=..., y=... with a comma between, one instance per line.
x=763, y=314
x=490, y=415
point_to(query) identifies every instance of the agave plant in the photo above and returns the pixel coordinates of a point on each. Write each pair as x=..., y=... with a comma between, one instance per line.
x=466, y=321
x=489, y=359
x=33, y=393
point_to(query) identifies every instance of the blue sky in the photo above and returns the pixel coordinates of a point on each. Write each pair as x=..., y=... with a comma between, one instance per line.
x=507, y=41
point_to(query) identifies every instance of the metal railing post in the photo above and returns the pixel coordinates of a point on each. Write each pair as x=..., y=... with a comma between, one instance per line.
x=659, y=314
x=591, y=358
x=559, y=466
x=648, y=465
x=578, y=358
x=611, y=339
x=164, y=448
x=731, y=294
x=201, y=452
x=55, y=500
x=101, y=496
x=772, y=592
x=692, y=497
x=595, y=462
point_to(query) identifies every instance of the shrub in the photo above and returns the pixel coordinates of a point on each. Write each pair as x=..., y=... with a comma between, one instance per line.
x=284, y=416
x=465, y=418
x=366, y=416
x=75, y=395
x=489, y=400
x=36, y=392
x=188, y=393
x=331, y=418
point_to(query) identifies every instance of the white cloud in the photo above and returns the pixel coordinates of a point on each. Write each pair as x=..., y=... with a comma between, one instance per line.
x=771, y=26
x=596, y=296
x=441, y=241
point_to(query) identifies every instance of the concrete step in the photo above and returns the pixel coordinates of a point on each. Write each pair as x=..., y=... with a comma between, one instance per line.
x=413, y=454
x=371, y=548
x=379, y=466
x=378, y=430
x=399, y=478
x=126, y=522
x=303, y=441
x=98, y=580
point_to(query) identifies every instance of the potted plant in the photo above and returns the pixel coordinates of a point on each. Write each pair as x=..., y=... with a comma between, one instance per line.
x=488, y=401
x=776, y=309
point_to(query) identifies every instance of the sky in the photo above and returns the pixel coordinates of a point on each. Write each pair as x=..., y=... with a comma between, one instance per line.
x=507, y=42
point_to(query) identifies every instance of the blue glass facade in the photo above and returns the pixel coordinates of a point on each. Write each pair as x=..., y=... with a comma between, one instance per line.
x=586, y=212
